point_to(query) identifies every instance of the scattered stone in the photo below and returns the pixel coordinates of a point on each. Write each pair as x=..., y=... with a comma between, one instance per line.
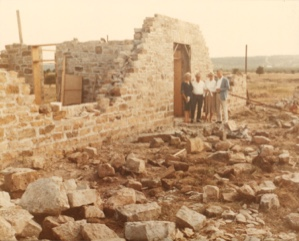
x=135, y=164
x=267, y=187
x=38, y=162
x=51, y=222
x=156, y=143
x=269, y=201
x=18, y=218
x=266, y=150
x=229, y=195
x=187, y=218
x=174, y=141
x=131, y=183
x=91, y=151
x=260, y=140
x=6, y=231
x=97, y=231
x=242, y=168
x=178, y=165
x=92, y=212
x=146, y=138
x=222, y=156
x=293, y=221
x=232, y=126
x=211, y=192
x=240, y=218
x=70, y=230
x=70, y=185
x=79, y=198
x=5, y=200
x=45, y=196
x=284, y=158
x=149, y=231
x=223, y=145
x=17, y=179
x=194, y=145
x=138, y=212
x=246, y=192
x=151, y=182
x=213, y=139
x=213, y=211
x=289, y=179
x=117, y=160
x=169, y=173
x=105, y=170
x=122, y=197
x=237, y=158
x=81, y=158
x=228, y=214
x=32, y=230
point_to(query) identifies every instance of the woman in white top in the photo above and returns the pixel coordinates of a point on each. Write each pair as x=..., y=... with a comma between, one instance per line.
x=210, y=97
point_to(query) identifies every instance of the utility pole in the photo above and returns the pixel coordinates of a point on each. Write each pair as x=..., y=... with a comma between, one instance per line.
x=19, y=27
x=246, y=59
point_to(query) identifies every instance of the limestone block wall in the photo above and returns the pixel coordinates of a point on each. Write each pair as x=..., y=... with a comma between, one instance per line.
x=101, y=64
x=17, y=57
x=27, y=129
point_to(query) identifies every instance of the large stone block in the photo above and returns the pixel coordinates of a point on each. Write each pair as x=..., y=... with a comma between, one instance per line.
x=79, y=198
x=6, y=231
x=138, y=212
x=269, y=201
x=17, y=179
x=149, y=231
x=5, y=200
x=194, y=145
x=135, y=164
x=97, y=231
x=45, y=196
x=69, y=231
x=120, y=198
x=187, y=218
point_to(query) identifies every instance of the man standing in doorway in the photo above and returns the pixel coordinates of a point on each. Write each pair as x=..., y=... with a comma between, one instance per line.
x=222, y=87
x=197, y=97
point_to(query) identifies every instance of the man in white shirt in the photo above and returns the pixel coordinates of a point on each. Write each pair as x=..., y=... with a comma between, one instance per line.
x=197, y=97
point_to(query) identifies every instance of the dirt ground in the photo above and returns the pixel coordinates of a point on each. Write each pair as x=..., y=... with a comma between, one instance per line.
x=267, y=88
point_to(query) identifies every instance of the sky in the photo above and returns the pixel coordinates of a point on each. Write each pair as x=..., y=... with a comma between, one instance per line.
x=268, y=27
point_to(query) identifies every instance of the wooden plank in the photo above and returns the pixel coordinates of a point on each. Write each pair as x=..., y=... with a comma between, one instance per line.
x=72, y=90
x=42, y=45
x=178, y=102
x=62, y=81
x=36, y=69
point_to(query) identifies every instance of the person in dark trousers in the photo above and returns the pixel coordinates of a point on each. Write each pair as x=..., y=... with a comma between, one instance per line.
x=186, y=91
x=197, y=97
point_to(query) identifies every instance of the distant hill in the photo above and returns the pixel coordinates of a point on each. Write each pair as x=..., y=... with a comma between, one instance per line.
x=275, y=63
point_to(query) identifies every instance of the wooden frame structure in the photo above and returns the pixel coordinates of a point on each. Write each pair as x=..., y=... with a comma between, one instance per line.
x=36, y=70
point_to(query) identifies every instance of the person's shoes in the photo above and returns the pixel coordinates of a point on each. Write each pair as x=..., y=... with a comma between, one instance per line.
x=198, y=121
x=218, y=122
x=191, y=121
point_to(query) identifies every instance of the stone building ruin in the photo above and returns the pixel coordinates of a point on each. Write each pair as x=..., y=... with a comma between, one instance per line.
x=128, y=87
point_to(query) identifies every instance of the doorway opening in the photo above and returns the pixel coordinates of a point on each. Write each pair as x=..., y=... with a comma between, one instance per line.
x=182, y=65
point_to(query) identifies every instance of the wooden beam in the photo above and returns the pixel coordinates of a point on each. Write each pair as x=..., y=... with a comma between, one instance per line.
x=42, y=45
x=36, y=69
x=63, y=80
x=175, y=48
x=19, y=27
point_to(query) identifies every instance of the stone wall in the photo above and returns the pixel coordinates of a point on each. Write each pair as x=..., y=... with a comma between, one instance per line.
x=102, y=65
x=27, y=129
x=17, y=57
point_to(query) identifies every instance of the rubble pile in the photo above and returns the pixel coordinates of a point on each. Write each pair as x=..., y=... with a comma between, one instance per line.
x=199, y=182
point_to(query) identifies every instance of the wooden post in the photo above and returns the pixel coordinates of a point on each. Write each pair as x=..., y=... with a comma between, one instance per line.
x=35, y=52
x=246, y=60
x=63, y=80
x=19, y=27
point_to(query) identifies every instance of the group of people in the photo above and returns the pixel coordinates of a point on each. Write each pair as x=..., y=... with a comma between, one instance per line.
x=210, y=95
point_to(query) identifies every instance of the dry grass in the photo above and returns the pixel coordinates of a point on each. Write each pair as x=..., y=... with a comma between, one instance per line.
x=271, y=87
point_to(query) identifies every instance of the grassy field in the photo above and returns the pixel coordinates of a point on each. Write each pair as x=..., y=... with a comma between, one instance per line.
x=271, y=87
